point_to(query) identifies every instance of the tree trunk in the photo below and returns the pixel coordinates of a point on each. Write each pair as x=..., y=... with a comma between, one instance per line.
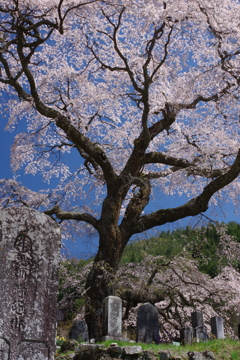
x=101, y=280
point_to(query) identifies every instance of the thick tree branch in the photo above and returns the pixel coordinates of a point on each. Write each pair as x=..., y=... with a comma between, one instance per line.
x=193, y=167
x=136, y=205
x=77, y=138
x=71, y=215
x=193, y=207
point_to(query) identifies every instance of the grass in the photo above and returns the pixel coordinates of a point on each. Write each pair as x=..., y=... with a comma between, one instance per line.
x=226, y=349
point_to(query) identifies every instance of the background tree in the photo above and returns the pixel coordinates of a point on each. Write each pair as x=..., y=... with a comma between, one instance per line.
x=174, y=281
x=145, y=92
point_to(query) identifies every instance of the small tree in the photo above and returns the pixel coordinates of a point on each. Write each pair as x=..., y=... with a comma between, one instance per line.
x=145, y=92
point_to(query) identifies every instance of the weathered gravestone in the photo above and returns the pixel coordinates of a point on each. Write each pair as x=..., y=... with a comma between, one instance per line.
x=29, y=257
x=197, y=319
x=79, y=331
x=200, y=333
x=186, y=335
x=199, y=329
x=147, y=324
x=112, y=318
x=217, y=327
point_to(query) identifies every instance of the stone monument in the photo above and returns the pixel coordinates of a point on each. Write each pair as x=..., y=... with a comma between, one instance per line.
x=217, y=327
x=147, y=324
x=112, y=318
x=197, y=319
x=29, y=258
x=79, y=331
x=199, y=330
x=200, y=333
x=186, y=335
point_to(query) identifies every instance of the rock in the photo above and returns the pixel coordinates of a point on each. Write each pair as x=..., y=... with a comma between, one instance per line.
x=149, y=355
x=208, y=355
x=132, y=350
x=164, y=355
x=88, y=347
x=68, y=345
x=88, y=352
x=79, y=331
x=115, y=352
x=66, y=357
x=194, y=355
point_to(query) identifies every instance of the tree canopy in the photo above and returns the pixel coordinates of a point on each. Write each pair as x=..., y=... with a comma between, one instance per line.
x=146, y=93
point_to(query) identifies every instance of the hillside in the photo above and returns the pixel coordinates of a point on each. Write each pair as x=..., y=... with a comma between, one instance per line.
x=182, y=271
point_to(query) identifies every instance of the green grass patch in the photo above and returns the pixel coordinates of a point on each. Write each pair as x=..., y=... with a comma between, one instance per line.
x=226, y=349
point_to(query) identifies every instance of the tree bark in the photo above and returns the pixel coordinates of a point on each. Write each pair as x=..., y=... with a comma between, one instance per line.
x=101, y=281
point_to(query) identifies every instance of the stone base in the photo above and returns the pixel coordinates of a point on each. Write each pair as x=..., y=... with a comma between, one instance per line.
x=117, y=338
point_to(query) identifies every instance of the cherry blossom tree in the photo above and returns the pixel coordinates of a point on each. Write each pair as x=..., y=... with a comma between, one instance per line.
x=144, y=92
x=175, y=286
x=177, y=289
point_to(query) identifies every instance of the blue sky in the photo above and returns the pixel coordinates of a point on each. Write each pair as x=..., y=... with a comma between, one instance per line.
x=83, y=247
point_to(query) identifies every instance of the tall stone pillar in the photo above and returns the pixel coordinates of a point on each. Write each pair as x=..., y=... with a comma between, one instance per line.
x=112, y=318
x=29, y=260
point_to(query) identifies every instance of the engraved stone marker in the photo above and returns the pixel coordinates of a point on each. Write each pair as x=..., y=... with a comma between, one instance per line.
x=197, y=319
x=4, y=349
x=186, y=335
x=147, y=324
x=29, y=257
x=217, y=327
x=79, y=331
x=199, y=330
x=200, y=333
x=112, y=318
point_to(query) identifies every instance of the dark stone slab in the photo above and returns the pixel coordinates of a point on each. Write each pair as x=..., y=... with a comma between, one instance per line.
x=79, y=331
x=197, y=319
x=29, y=259
x=147, y=324
x=217, y=327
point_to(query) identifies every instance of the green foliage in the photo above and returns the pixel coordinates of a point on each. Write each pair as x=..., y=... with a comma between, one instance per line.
x=60, y=340
x=233, y=228
x=234, y=355
x=202, y=244
x=165, y=244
